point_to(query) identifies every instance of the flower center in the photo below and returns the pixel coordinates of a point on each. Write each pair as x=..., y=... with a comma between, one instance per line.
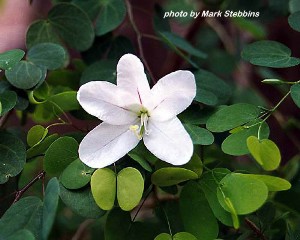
x=140, y=130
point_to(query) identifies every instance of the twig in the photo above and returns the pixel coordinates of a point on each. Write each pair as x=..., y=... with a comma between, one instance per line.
x=139, y=40
x=255, y=229
x=223, y=35
x=20, y=192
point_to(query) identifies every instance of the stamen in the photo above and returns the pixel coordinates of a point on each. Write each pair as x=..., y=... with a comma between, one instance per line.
x=135, y=129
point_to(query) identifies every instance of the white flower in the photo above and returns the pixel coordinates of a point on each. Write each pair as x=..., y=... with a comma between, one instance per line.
x=131, y=111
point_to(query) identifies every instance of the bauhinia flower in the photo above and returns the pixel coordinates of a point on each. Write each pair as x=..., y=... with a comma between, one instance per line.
x=131, y=112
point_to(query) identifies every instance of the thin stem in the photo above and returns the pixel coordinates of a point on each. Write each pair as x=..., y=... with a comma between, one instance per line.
x=20, y=192
x=278, y=104
x=255, y=229
x=169, y=226
x=139, y=40
x=144, y=200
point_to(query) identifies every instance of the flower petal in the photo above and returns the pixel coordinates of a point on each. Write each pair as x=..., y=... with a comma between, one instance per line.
x=106, y=144
x=169, y=141
x=105, y=101
x=131, y=76
x=172, y=94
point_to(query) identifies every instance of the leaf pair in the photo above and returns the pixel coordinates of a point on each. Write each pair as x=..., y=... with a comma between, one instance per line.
x=128, y=185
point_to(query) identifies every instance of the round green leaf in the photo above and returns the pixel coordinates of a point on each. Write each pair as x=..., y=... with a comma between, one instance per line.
x=13, y=156
x=294, y=20
x=209, y=185
x=49, y=55
x=50, y=206
x=81, y=202
x=100, y=70
x=199, y=135
x=103, y=185
x=21, y=235
x=245, y=193
x=265, y=152
x=294, y=6
x=195, y=164
x=24, y=75
x=130, y=187
x=184, y=236
x=41, y=31
x=42, y=147
x=295, y=94
x=36, y=134
x=169, y=176
x=112, y=14
x=8, y=100
x=163, y=236
x=270, y=53
x=198, y=218
x=236, y=143
x=232, y=116
x=30, y=219
x=73, y=25
x=60, y=154
x=76, y=175
x=274, y=184
x=9, y=58
x=211, y=90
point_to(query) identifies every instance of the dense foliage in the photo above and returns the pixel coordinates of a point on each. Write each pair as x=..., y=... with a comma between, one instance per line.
x=242, y=181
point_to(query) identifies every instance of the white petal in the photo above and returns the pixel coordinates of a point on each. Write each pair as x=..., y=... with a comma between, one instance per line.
x=106, y=144
x=172, y=94
x=131, y=76
x=169, y=141
x=105, y=101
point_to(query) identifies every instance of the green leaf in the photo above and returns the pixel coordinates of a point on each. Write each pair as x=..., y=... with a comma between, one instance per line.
x=294, y=6
x=163, y=236
x=181, y=43
x=81, y=202
x=76, y=175
x=50, y=206
x=56, y=105
x=30, y=219
x=209, y=184
x=10, y=58
x=49, y=55
x=91, y=7
x=101, y=70
x=73, y=25
x=169, y=176
x=195, y=164
x=294, y=21
x=265, y=152
x=117, y=225
x=211, y=90
x=20, y=235
x=184, y=236
x=245, y=193
x=13, y=156
x=36, y=134
x=199, y=135
x=8, y=100
x=24, y=75
x=103, y=185
x=274, y=184
x=295, y=94
x=197, y=216
x=269, y=54
x=60, y=154
x=112, y=14
x=130, y=188
x=236, y=143
x=232, y=116
x=41, y=31
x=255, y=28
x=42, y=147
